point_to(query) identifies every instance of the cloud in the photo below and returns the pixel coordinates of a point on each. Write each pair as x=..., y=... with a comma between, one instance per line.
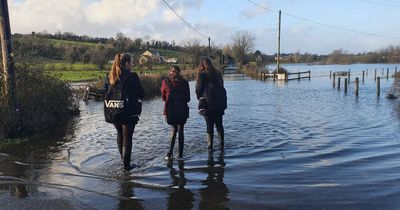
x=94, y=18
x=254, y=10
x=121, y=12
x=169, y=16
x=181, y=8
x=34, y=15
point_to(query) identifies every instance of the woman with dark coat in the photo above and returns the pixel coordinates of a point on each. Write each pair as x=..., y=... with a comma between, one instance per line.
x=125, y=126
x=208, y=76
x=176, y=94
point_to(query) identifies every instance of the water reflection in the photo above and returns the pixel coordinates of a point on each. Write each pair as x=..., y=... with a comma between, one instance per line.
x=290, y=128
x=179, y=197
x=18, y=163
x=215, y=193
x=128, y=200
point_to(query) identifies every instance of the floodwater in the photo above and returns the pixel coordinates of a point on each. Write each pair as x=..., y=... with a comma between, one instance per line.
x=296, y=145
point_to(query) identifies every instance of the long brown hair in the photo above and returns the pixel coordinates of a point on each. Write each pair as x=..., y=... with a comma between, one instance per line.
x=117, y=66
x=214, y=76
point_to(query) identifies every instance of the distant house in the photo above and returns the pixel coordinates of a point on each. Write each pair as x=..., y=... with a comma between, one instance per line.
x=154, y=55
x=171, y=60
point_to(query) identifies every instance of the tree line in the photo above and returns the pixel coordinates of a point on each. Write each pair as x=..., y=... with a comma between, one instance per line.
x=67, y=46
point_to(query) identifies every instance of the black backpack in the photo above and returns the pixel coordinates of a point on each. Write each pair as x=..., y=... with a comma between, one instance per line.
x=116, y=102
x=176, y=106
x=216, y=98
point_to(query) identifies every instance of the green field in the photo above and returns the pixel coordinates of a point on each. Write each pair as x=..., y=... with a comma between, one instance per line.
x=76, y=76
x=89, y=72
x=59, y=41
x=61, y=66
x=171, y=53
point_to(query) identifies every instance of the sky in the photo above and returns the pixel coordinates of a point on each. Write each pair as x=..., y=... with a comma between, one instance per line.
x=307, y=26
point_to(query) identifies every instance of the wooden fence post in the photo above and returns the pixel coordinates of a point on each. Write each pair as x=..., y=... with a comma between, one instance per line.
x=345, y=85
x=378, y=86
x=8, y=57
x=363, y=75
x=334, y=79
x=357, y=85
x=348, y=76
x=387, y=73
x=338, y=83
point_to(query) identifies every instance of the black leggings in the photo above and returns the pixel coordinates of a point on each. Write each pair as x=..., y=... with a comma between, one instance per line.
x=176, y=129
x=214, y=119
x=124, y=136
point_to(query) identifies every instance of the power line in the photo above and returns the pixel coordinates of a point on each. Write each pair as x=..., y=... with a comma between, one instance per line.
x=327, y=25
x=183, y=20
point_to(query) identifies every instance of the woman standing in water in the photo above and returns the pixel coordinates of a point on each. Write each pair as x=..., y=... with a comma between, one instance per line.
x=121, y=76
x=176, y=94
x=210, y=85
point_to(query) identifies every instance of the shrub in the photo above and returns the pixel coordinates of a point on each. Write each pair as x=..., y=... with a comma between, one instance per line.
x=151, y=84
x=43, y=102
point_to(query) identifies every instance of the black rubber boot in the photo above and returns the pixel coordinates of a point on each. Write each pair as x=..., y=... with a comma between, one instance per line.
x=210, y=139
x=171, y=145
x=181, y=143
x=126, y=153
x=221, y=140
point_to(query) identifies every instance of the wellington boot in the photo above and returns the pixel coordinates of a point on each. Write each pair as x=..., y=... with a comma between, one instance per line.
x=171, y=144
x=180, y=148
x=221, y=140
x=210, y=139
x=126, y=154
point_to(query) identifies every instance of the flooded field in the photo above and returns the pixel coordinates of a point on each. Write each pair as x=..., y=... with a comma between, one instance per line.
x=296, y=145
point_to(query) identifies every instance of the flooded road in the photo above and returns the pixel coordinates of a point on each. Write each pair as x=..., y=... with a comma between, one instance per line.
x=295, y=145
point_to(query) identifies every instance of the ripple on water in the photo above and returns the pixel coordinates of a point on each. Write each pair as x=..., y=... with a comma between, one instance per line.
x=297, y=145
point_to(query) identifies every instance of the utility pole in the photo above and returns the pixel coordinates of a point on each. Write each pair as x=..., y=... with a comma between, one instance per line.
x=279, y=43
x=209, y=47
x=8, y=62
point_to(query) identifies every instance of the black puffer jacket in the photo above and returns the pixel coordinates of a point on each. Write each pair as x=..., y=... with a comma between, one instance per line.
x=203, y=84
x=133, y=88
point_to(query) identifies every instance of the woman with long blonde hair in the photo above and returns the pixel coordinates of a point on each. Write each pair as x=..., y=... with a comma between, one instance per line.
x=120, y=74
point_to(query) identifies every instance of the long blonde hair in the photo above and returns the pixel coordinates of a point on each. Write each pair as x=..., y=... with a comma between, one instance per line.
x=117, y=66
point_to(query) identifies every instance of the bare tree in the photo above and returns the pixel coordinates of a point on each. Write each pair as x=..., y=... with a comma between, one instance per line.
x=122, y=42
x=192, y=47
x=243, y=43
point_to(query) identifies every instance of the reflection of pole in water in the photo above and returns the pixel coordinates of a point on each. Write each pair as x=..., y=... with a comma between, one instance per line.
x=179, y=198
x=215, y=193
